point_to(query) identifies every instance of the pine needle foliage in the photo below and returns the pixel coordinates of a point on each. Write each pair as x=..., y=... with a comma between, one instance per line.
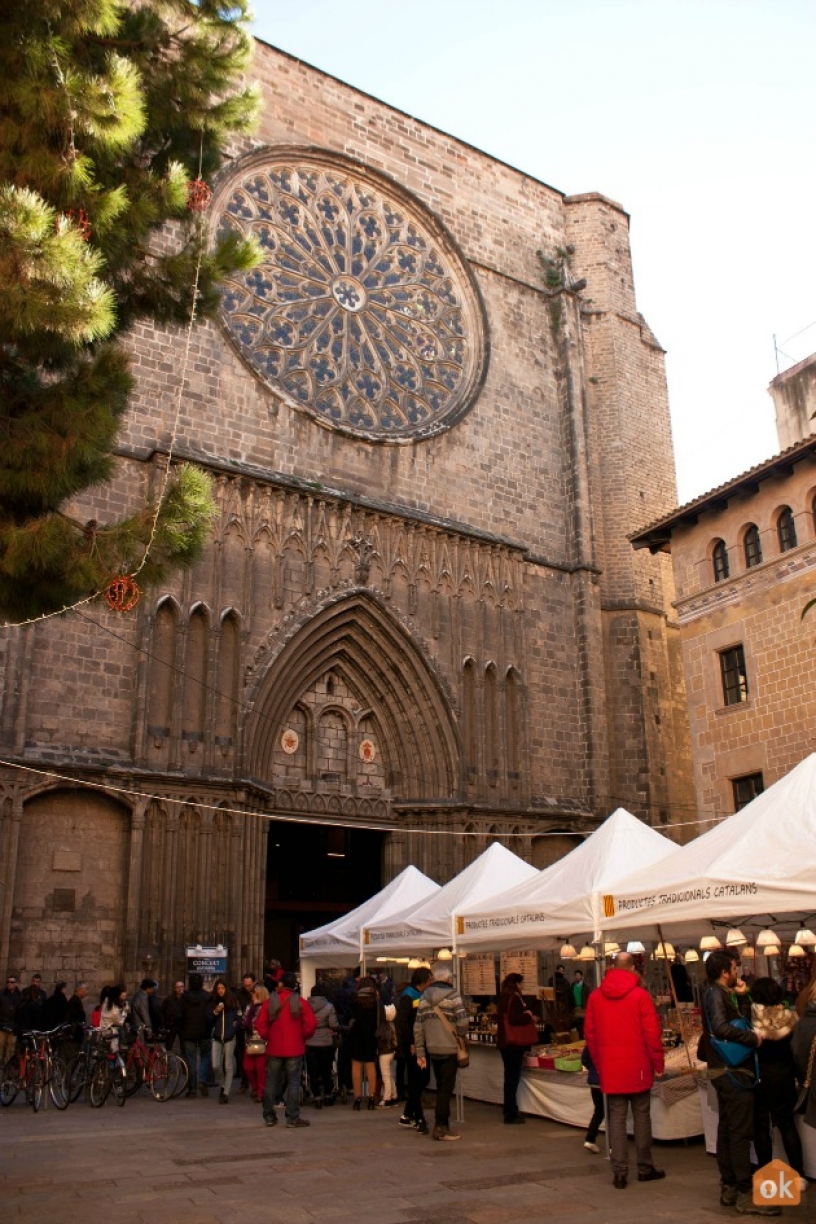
x=108, y=110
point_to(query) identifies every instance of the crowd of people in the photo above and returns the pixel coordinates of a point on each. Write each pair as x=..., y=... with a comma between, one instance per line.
x=364, y=1041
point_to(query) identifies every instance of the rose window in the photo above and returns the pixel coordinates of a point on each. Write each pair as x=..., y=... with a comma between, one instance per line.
x=362, y=312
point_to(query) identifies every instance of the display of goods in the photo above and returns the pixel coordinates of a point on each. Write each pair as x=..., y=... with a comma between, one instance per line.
x=568, y=1064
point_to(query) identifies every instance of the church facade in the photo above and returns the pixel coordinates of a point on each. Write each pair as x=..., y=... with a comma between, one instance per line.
x=434, y=415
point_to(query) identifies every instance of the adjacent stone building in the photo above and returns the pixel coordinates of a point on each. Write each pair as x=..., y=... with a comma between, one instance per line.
x=744, y=560
x=434, y=415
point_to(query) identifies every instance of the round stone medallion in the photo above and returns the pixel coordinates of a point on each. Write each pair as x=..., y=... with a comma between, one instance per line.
x=362, y=312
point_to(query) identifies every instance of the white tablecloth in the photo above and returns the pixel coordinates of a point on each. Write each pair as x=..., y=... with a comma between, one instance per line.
x=708, y=1107
x=565, y=1097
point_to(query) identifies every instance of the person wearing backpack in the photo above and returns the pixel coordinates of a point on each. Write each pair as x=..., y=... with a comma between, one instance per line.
x=286, y=1022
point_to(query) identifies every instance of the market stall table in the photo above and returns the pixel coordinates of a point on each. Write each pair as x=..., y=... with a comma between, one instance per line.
x=565, y=1097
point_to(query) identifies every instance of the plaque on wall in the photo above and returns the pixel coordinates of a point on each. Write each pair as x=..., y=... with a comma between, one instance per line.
x=525, y=963
x=367, y=750
x=479, y=974
x=290, y=741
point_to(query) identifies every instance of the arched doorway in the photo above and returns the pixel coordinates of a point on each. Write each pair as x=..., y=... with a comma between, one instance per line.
x=315, y=873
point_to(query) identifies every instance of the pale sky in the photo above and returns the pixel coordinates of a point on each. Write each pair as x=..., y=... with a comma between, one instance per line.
x=696, y=115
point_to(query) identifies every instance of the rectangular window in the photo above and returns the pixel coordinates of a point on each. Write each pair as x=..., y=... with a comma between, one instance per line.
x=734, y=675
x=746, y=789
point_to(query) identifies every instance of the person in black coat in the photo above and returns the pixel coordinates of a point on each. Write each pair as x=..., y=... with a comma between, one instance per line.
x=171, y=1014
x=775, y=1090
x=195, y=1030
x=10, y=999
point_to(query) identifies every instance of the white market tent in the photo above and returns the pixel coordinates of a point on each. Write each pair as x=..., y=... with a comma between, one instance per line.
x=338, y=944
x=430, y=925
x=565, y=899
x=760, y=862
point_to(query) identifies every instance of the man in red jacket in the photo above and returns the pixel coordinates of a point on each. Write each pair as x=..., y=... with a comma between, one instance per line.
x=285, y=1022
x=622, y=1030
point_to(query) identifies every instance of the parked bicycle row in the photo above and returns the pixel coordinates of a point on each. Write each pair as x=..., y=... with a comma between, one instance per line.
x=104, y=1064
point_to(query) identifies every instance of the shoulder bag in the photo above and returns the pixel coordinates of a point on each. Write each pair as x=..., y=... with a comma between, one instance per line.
x=525, y=1034
x=462, y=1048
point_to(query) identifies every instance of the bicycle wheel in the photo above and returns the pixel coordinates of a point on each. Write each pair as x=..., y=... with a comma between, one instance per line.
x=38, y=1077
x=134, y=1077
x=176, y=1072
x=183, y=1075
x=10, y=1083
x=77, y=1074
x=58, y=1083
x=118, y=1080
x=158, y=1077
x=100, y=1085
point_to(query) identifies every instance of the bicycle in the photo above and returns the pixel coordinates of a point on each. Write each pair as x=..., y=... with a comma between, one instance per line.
x=34, y=1069
x=148, y=1062
x=109, y=1074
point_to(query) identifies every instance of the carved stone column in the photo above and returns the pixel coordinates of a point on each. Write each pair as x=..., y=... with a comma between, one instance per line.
x=10, y=873
x=130, y=942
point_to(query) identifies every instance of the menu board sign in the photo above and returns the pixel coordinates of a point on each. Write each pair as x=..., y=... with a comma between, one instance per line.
x=525, y=963
x=478, y=974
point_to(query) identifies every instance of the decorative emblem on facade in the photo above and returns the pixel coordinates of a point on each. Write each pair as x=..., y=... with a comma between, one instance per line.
x=367, y=750
x=290, y=741
x=362, y=312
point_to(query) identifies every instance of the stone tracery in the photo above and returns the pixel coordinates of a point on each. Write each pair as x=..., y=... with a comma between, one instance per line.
x=362, y=312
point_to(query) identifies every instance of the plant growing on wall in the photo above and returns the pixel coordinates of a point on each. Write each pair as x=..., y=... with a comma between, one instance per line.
x=112, y=115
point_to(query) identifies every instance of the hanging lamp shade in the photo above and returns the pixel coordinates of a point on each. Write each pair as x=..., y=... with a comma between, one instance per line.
x=766, y=937
x=735, y=938
x=444, y=954
x=635, y=947
x=413, y=963
x=771, y=950
x=748, y=953
x=796, y=950
x=805, y=938
x=611, y=949
x=568, y=952
x=664, y=951
x=587, y=953
x=710, y=943
x=692, y=956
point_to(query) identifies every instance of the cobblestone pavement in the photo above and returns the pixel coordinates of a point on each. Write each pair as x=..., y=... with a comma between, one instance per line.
x=195, y=1162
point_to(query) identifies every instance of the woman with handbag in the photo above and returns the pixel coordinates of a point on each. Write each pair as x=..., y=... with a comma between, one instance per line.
x=255, y=1046
x=517, y=1032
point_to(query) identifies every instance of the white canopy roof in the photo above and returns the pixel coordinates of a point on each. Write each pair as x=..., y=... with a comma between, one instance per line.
x=428, y=926
x=338, y=943
x=759, y=862
x=564, y=899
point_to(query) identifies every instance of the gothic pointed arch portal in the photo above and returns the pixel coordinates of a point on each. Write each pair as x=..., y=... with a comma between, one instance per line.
x=355, y=648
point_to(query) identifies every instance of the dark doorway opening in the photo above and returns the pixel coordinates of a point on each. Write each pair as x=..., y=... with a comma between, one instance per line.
x=315, y=873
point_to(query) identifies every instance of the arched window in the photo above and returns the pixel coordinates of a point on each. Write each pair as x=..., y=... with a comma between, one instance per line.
x=786, y=529
x=753, y=547
x=719, y=559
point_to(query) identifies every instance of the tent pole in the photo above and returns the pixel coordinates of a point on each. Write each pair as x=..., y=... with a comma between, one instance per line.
x=673, y=992
x=457, y=979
